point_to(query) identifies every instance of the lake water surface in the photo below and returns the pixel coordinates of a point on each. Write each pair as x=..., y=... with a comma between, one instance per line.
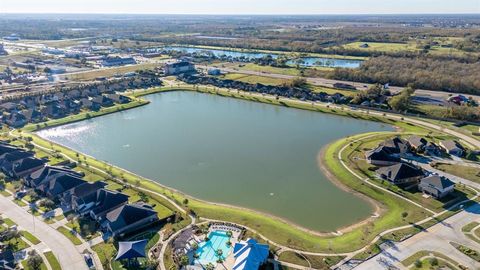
x=307, y=61
x=227, y=150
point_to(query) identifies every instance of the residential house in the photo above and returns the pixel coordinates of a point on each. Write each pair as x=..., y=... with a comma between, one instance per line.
x=8, y=160
x=106, y=201
x=9, y=107
x=381, y=157
x=129, y=218
x=46, y=174
x=32, y=115
x=81, y=198
x=103, y=101
x=437, y=186
x=119, y=98
x=118, y=61
x=396, y=146
x=7, y=259
x=15, y=120
x=90, y=105
x=401, y=173
x=56, y=187
x=417, y=143
x=24, y=167
x=452, y=147
x=432, y=149
x=6, y=148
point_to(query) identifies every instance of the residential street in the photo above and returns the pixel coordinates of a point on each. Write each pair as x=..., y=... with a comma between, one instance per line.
x=436, y=238
x=62, y=248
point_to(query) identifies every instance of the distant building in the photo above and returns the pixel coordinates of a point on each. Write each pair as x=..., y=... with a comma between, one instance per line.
x=437, y=186
x=12, y=37
x=2, y=50
x=54, y=51
x=118, y=61
x=214, y=71
x=179, y=67
x=364, y=45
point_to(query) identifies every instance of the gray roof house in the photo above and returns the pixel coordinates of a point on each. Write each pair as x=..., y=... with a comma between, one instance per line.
x=417, y=142
x=56, y=187
x=47, y=173
x=401, y=173
x=129, y=218
x=396, y=146
x=83, y=197
x=437, y=186
x=452, y=147
x=24, y=167
x=381, y=157
x=106, y=201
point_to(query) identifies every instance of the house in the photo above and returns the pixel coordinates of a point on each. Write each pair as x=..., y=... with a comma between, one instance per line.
x=401, y=173
x=81, y=198
x=9, y=106
x=103, y=101
x=214, y=71
x=249, y=255
x=7, y=259
x=381, y=157
x=16, y=120
x=131, y=250
x=452, y=147
x=106, y=201
x=432, y=149
x=24, y=167
x=437, y=186
x=46, y=174
x=7, y=160
x=118, y=61
x=57, y=186
x=119, y=98
x=417, y=143
x=6, y=148
x=396, y=146
x=129, y=218
x=90, y=105
x=178, y=68
x=32, y=115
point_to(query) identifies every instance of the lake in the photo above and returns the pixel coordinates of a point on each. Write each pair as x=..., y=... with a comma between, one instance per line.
x=227, y=150
x=307, y=61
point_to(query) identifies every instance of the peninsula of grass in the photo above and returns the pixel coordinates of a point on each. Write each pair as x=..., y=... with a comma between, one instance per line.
x=52, y=260
x=276, y=230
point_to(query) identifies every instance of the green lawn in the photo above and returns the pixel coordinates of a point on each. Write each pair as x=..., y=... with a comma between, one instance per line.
x=467, y=172
x=17, y=244
x=427, y=263
x=470, y=226
x=70, y=235
x=30, y=237
x=9, y=222
x=316, y=262
x=52, y=260
x=253, y=79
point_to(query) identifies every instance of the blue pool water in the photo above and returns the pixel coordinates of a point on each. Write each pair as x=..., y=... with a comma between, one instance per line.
x=207, y=250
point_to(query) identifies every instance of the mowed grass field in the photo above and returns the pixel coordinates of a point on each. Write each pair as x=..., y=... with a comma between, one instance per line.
x=411, y=46
x=108, y=72
x=253, y=79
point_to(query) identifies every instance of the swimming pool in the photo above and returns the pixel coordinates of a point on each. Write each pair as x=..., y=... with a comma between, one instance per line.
x=207, y=251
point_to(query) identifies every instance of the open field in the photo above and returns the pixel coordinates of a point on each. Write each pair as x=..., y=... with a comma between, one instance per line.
x=107, y=72
x=253, y=79
x=52, y=260
x=467, y=172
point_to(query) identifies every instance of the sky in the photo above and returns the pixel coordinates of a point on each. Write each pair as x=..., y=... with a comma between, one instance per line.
x=241, y=6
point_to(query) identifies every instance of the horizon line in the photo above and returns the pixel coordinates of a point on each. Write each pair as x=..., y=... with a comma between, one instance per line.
x=236, y=14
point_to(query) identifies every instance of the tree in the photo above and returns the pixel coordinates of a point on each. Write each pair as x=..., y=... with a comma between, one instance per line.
x=34, y=260
x=401, y=102
x=209, y=266
x=418, y=264
x=184, y=260
x=434, y=261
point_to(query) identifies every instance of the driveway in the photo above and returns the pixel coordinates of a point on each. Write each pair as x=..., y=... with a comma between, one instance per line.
x=64, y=250
x=436, y=238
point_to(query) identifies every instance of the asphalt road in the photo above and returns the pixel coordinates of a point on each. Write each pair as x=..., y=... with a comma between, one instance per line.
x=64, y=250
